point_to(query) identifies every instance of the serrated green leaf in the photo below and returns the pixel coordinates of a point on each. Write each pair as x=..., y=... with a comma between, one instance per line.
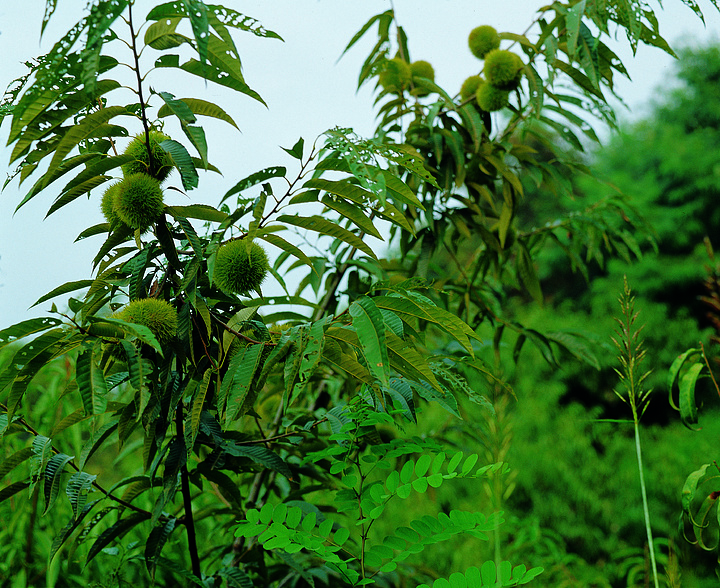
x=103, y=14
x=577, y=345
x=116, y=531
x=74, y=193
x=133, y=329
x=201, y=108
x=313, y=344
x=406, y=360
x=191, y=236
x=235, y=578
x=186, y=117
x=198, y=402
x=156, y=541
x=81, y=131
x=412, y=309
x=238, y=381
x=53, y=477
x=288, y=247
x=260, y=455
x=573, y=17
x=95, y=441
x=579, y=78
x=77, y=490
x=353, y=214
x=91, y=382
x=183, y=161
x=344, y=362
x=326, y=227
x=370, y=328
x=224, y=71
x=68, y=530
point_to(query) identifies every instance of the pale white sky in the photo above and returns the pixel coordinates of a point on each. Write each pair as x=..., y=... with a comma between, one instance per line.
x=306, y=91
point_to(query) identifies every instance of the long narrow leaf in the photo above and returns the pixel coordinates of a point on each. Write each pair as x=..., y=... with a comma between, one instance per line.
x=260, y=455
x=27, y=327
x=326, y=227
x=83, y=130
x=201, y=108
x=114, y=532
x=370, y=328
x=53, y=474
x=197, y=406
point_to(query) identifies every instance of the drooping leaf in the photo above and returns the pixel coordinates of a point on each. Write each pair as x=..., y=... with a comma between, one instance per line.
x=243, y=367
x=81, y=131
x=411, y=309
x=370, y=328
x=96, y=441
x=577, y=344
x=183, y=161
x=325, y=227
x=135, y=330
x=115, y=531
x=573, y=17
x=103, y=13
x=406, y=360
x=186, y=117
x=260, y=455
x=53, y=477
x=77, y=490
x=221, y=17
x=200, y=107
x=68, y=530
x=688, y=405
x=197, y=406
x=344, y=362
x=674, y=371
x=307, y=358
x=91, y=382
x=163, y=35
x=288, y=247
x=156, y=541
x=235, y=578
x=528, y=275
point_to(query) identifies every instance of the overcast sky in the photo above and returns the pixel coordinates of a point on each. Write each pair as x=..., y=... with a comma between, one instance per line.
x=306, y=91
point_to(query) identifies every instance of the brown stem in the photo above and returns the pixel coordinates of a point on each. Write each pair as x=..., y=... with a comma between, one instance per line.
x=187, y=502
x=238, y=334
x=707, y=363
